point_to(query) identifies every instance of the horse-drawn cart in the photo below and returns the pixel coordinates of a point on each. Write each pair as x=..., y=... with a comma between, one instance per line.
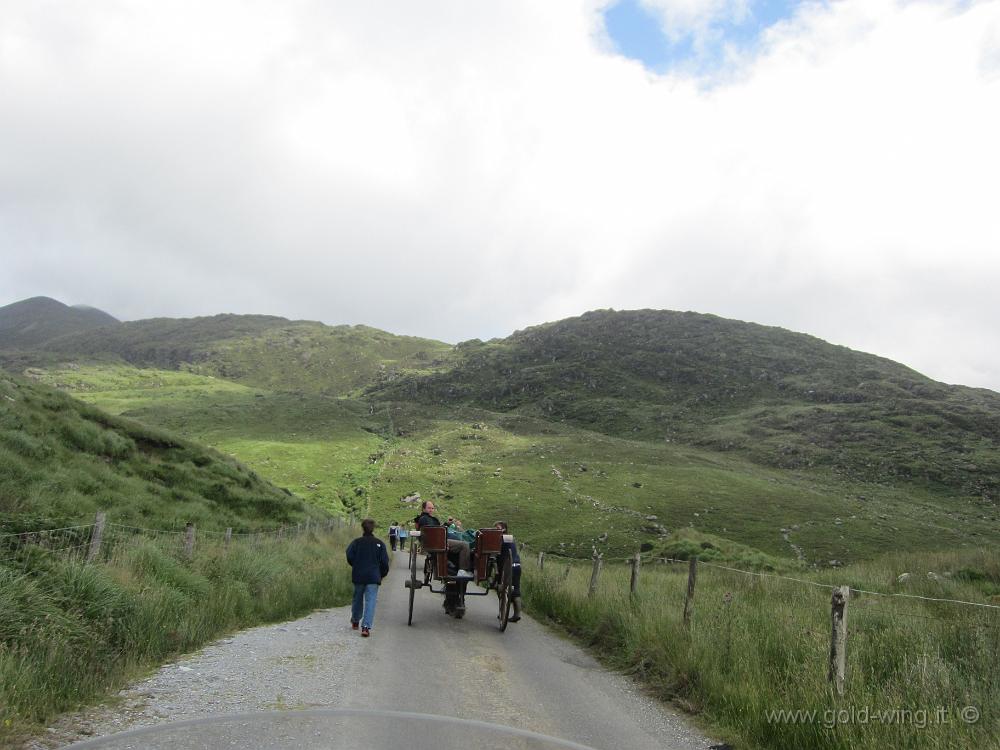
x=492, y=571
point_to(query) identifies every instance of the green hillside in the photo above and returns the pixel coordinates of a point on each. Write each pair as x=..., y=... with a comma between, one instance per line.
x=563, y=487
x=63, y=459
x=317, y=446
x=779, y=398
x=257, y=350
x=32, y=322
x=568, y=490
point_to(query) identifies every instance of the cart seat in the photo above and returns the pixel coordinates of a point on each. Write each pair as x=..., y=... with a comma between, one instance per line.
x=434, y=539
x=489, y=541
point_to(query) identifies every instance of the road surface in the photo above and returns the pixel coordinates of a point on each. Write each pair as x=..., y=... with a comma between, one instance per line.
x=527, y=677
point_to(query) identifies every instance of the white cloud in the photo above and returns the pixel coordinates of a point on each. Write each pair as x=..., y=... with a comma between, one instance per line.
x=459, y=170
x=680, y=18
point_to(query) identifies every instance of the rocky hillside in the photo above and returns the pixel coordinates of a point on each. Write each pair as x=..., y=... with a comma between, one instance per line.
x=781, y=398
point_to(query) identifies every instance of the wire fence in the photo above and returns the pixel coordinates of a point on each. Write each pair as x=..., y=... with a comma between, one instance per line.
x=884, y=606
x=640, y=559
x=109, y=542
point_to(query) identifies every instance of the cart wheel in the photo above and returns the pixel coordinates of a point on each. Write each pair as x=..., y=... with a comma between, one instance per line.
x=505, y=592
x=413, y=582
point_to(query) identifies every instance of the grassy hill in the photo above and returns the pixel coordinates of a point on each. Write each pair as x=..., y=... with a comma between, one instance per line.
x=567, y=490
x=63, y=459
x=258, y=350
x=781, y=399
x=318, y=446
x=32, y=322
x=561, y=486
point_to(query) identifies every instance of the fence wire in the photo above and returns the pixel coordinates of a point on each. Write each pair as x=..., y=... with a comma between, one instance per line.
x=80, y=543
x=753, y=573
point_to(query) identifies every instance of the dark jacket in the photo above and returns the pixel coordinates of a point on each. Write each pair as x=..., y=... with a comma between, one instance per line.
x=426, y=519
x=368, y=559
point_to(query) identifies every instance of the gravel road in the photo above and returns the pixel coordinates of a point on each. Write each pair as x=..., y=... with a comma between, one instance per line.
x=527, y=678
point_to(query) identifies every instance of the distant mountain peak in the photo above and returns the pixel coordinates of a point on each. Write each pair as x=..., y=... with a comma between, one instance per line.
x=33, y=321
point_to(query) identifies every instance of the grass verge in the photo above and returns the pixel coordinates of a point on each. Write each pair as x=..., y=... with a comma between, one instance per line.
x=72, y=632
x=754, y=663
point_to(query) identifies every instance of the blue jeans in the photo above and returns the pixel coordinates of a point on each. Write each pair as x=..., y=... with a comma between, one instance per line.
x=365, y=596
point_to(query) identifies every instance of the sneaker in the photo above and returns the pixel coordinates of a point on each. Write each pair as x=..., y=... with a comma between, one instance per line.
x=354, y=625
x=365, y=632
x=464, y=574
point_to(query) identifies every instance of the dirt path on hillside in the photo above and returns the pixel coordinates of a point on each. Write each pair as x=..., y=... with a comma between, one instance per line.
x=526, y=678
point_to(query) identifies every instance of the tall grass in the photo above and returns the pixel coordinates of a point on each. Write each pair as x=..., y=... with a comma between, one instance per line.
x=70, y=632
x=759, y=645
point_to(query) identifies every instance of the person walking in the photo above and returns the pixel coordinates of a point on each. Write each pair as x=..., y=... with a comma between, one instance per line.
x=403, y=534
x=393, y=534
x=369, y=561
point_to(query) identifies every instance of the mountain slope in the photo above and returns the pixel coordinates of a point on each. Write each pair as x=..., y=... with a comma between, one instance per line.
x=32, y=322
x=783, y=399
x=259, y=350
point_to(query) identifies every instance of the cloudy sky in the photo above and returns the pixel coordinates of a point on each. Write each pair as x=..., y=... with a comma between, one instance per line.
x=463, y=169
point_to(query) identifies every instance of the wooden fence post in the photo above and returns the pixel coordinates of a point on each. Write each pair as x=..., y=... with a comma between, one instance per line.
x=595, y=574
x=229, y=535
x=838, y=637
x=689, y=599
x=189, y=540
x=633, y=584
x=96, y=536
x=541, y=560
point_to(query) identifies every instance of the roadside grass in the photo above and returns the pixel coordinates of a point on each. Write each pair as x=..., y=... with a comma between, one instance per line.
x=759, y=645
x=71, y=633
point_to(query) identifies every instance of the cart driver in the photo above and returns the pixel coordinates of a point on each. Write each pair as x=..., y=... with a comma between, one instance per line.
x=427, y=518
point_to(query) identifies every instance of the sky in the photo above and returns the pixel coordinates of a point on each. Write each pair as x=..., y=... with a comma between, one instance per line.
x=462, y=170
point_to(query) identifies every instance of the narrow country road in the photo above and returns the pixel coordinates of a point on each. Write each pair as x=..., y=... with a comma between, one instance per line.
x=526, y=678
